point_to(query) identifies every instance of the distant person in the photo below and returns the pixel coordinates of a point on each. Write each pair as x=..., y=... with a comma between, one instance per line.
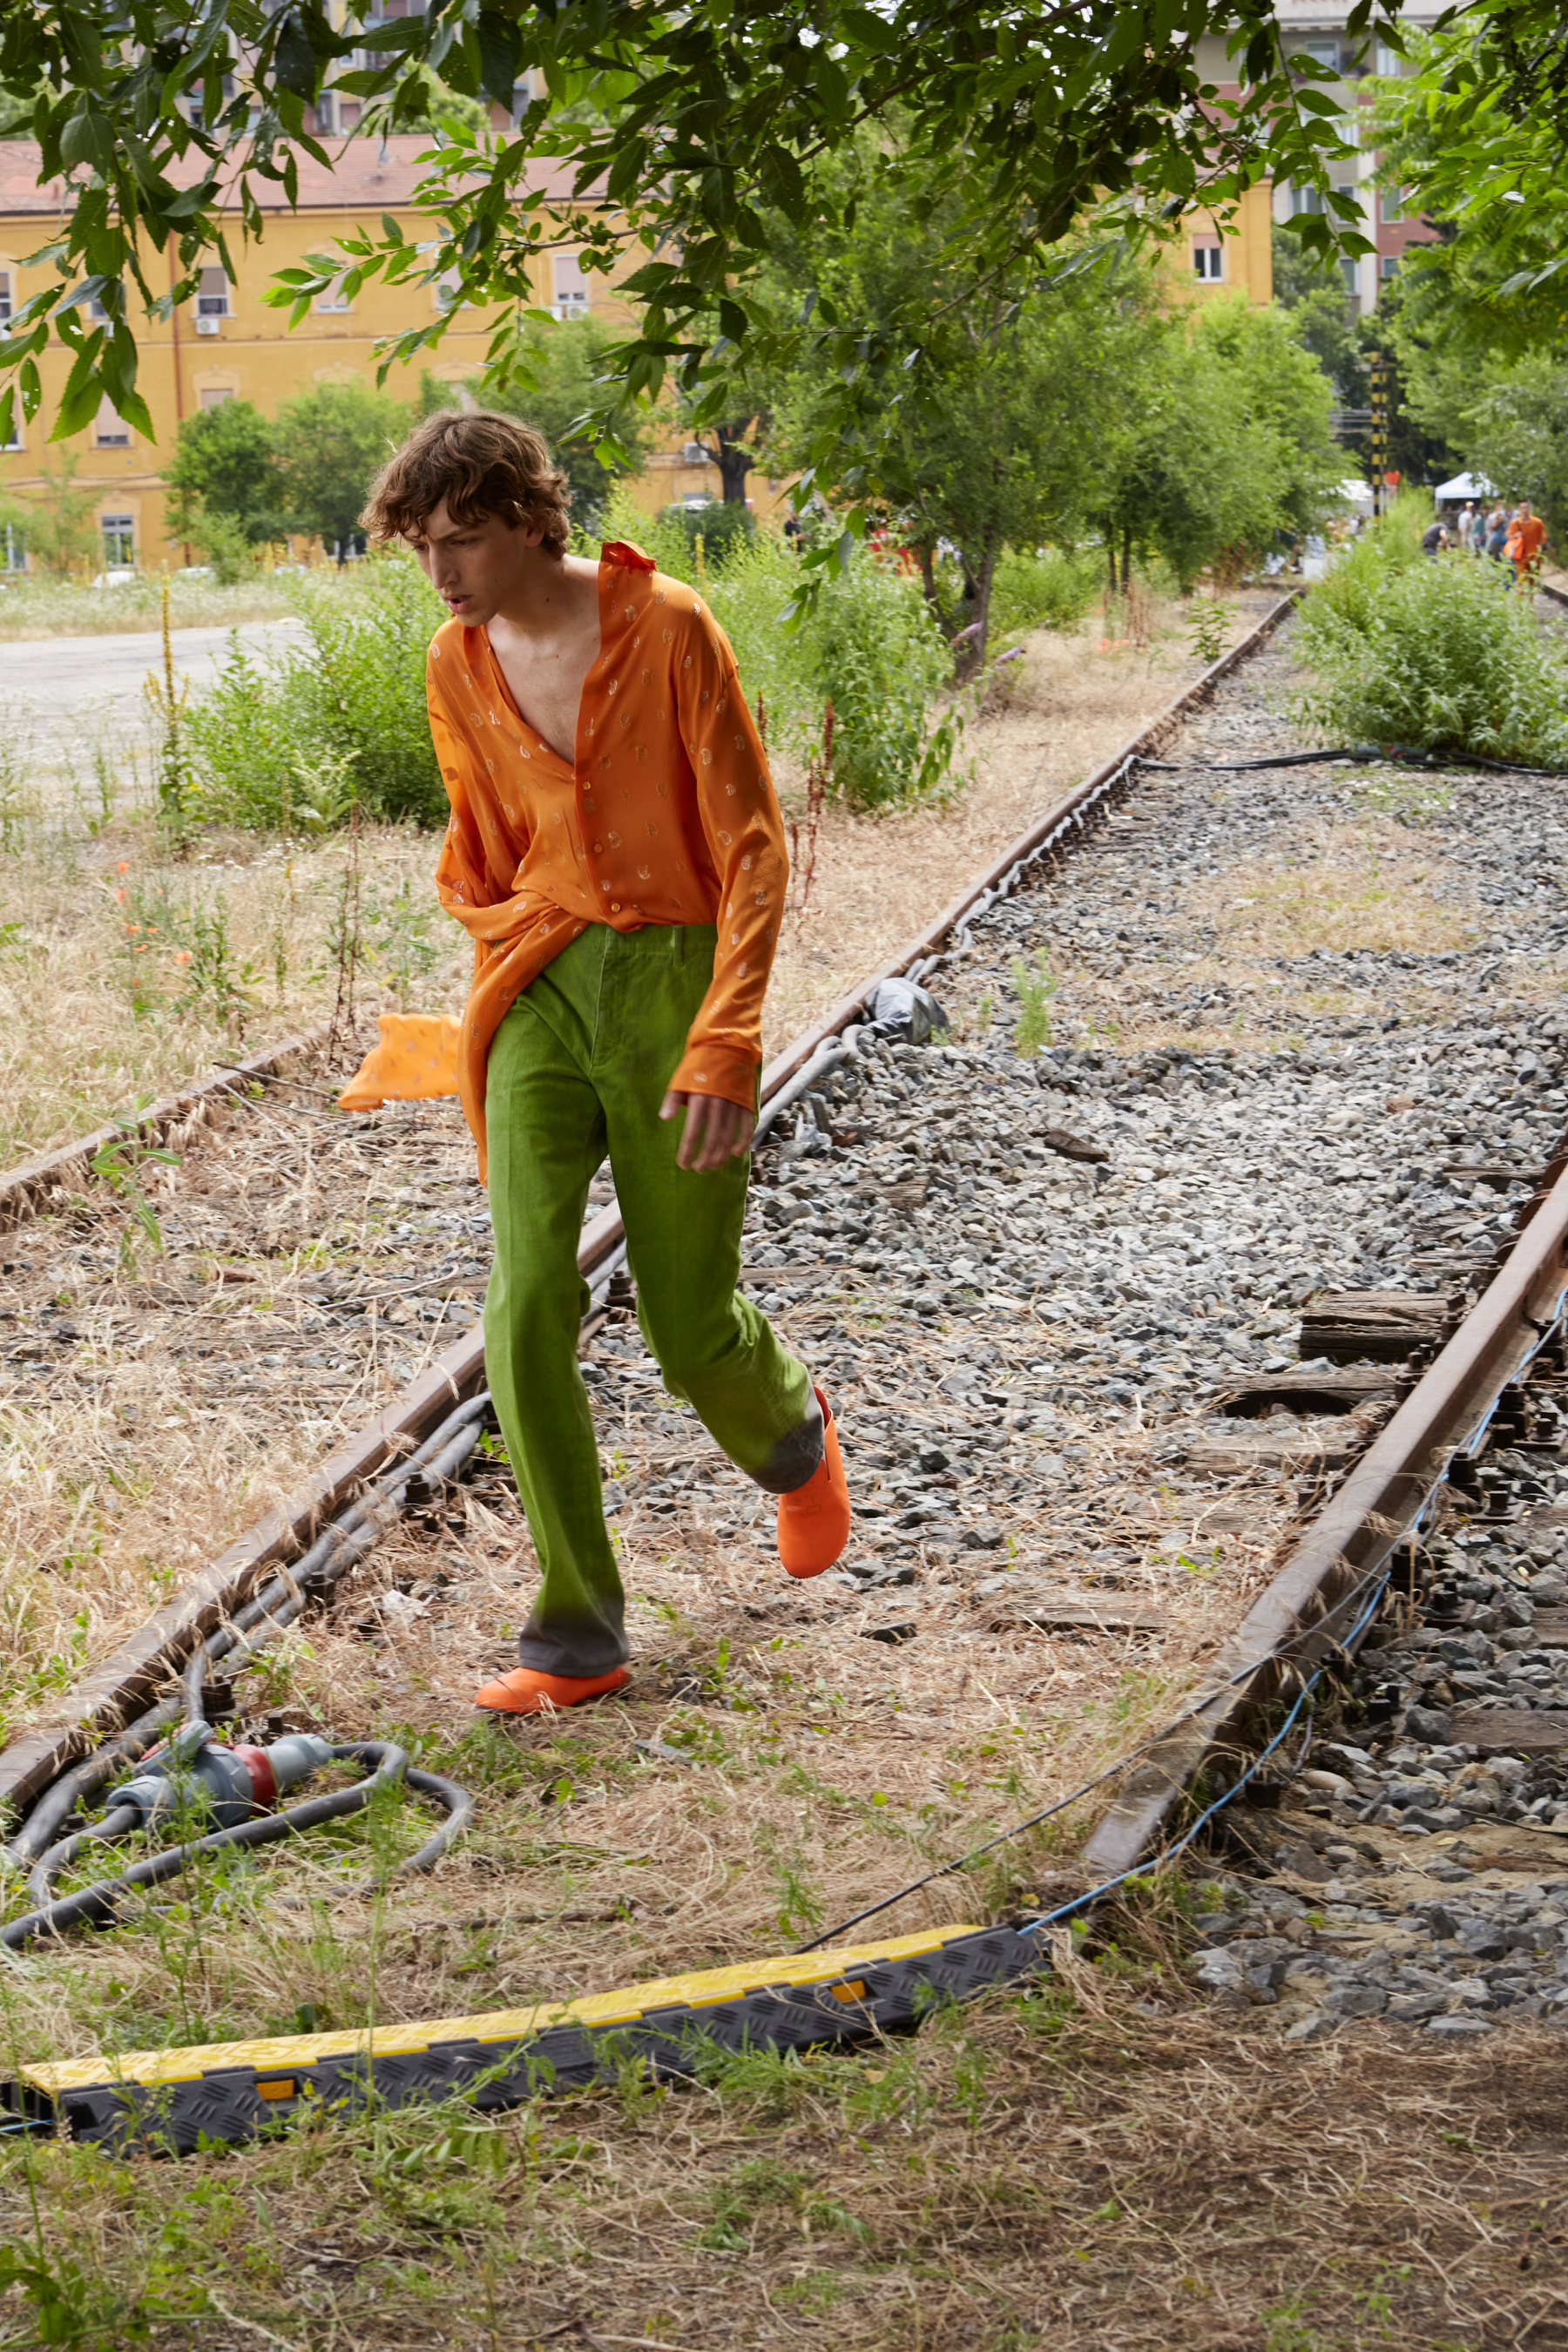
x=1479, y=529
x=1465, y=527
x=1434, y=539
x=1526, y=537
x=1496, y=532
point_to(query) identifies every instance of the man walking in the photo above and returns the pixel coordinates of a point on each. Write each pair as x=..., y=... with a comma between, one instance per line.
x=1526, y=537
x=616, y=852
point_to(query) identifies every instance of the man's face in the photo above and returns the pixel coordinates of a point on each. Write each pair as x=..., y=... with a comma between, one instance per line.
x=476, y=567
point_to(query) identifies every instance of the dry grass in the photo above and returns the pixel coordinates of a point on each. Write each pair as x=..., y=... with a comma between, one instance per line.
x=1344, y=888
x=35, y=608
x=100, y=1007
x=93, y=1018
x=1104, y=2168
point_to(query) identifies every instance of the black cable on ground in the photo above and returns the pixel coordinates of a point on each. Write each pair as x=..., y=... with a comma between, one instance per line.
x=1396, y=755
x=97, y=1904
x=1377, y=1578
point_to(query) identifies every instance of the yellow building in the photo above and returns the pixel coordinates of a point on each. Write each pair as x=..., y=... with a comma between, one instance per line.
x=1210, y=256
x=228, y=344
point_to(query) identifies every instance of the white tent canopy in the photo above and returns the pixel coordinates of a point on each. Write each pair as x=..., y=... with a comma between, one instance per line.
x=1465, y=485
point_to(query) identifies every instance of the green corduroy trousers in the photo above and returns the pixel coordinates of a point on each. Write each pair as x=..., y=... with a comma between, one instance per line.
x=577, y=1071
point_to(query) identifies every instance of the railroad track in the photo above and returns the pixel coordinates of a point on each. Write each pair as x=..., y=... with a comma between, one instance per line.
x=1057, y=1290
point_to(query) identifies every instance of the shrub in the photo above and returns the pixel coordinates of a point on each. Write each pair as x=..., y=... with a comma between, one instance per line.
x=723, y=526
x=1041, y=588
x=288, y=738
x=1437, y=655
x=881, y=662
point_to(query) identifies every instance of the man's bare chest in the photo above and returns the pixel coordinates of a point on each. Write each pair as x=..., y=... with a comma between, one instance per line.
x=547, y=684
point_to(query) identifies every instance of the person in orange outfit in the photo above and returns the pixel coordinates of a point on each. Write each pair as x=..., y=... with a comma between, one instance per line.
x=616, y=852
x=1526, y=537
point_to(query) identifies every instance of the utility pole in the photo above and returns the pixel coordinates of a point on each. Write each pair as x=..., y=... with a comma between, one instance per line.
x=1378, y=370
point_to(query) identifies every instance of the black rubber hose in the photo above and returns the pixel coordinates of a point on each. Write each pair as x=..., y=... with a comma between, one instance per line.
x=344, y=1543
x=48, y=1866
x=97, y=1904
x=58, y=1803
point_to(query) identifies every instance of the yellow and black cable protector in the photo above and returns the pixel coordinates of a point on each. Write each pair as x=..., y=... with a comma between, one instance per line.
x=168, y=2101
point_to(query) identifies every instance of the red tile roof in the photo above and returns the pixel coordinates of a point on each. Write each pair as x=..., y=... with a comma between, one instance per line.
x=368, y=172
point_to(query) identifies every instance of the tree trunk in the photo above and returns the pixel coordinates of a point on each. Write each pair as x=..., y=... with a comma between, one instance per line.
x=927, y=578
x=1109, y=527
x=1126, y=560
x=734, y=458
x=977, y=604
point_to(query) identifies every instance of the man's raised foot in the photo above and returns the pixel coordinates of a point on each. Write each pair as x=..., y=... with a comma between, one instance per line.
x=813, y=1521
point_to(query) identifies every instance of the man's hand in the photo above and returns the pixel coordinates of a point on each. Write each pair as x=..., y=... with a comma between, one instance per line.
x=715, y=1130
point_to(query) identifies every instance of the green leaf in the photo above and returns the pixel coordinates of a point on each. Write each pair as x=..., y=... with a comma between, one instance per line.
x=294, y=58
x=500, y=56
x=396, y=33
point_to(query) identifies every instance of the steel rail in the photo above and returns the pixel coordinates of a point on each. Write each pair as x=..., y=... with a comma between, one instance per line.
x=24, y=1189
x=124, y=1684
x=1380, y=1504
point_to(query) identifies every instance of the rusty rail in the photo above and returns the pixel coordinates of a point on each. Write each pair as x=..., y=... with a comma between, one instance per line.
x=1380, y=1502
x=24, y=1189
x=126, y=1681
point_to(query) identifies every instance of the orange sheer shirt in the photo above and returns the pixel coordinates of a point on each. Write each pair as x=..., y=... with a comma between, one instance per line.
x=1525, y=540
x=667, y=815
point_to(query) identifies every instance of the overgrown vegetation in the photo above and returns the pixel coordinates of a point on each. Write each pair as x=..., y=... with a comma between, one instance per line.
x=290, y=738
x=1440, y=655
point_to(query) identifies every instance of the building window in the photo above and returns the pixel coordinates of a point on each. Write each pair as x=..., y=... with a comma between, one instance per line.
x=1388, y=266
x=118, y=542
x=1322, y=53
x=13, y=549
x=521, y=99
x=1208, y=261
x=19, y=439
x=4, y=296
x=570, y=288
x=333, y=297
x=1348, y=272
x=216, y=394
x=1391, y=204
x=1389, y=60
x=212, y=294
x=112, y=431
x=1305, y=200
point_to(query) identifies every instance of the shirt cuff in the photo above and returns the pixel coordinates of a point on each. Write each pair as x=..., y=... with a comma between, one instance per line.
x=717, y=1070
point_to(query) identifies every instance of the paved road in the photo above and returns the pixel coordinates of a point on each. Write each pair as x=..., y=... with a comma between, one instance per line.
x=51, y=678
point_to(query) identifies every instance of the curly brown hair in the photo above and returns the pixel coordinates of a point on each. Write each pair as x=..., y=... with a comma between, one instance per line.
x=480, y=464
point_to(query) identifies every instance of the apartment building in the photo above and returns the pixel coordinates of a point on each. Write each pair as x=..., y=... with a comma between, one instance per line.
x=228, y=344
x=1316, y=29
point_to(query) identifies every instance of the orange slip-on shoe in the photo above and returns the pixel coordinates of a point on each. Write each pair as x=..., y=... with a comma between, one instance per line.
x=526, y=1691
x=813, y=1521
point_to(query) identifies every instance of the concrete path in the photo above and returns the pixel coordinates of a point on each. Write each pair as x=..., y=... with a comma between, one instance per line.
x=47, y=680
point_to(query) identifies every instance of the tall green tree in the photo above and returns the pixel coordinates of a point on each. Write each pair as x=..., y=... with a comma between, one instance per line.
x=691, y=122
x=330, y=443
x=1227, y=443
x=225, y=463
x=995, y=432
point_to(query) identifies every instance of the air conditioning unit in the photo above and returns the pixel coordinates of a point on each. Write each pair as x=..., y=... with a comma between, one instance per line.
x=210, y=326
